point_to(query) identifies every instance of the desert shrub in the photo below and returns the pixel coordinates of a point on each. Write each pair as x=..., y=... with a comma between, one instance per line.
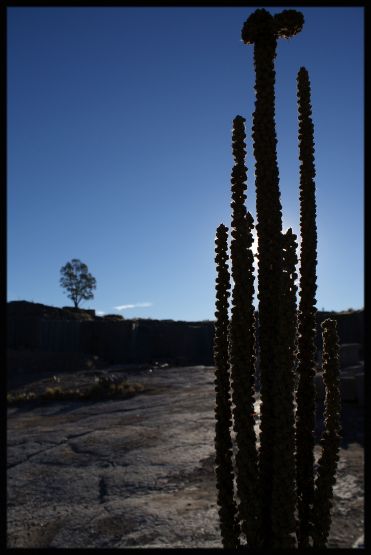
x=105, y=387
x=113, y=317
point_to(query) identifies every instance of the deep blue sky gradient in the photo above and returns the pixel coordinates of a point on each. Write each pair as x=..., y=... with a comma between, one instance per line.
x=119, y=150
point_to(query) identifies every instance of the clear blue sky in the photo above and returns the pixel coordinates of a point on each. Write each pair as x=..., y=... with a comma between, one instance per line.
x=119, y=150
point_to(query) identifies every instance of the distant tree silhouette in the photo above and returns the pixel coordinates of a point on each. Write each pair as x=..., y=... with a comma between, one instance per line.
x=77, y=280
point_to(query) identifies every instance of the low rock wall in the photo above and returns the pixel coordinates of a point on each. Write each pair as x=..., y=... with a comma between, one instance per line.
x=38, y=327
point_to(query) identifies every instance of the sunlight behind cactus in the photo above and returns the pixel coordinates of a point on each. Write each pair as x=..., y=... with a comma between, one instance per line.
x=275, y=476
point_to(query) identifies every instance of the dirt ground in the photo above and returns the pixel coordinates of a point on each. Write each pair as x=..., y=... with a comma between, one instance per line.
x=139, y=472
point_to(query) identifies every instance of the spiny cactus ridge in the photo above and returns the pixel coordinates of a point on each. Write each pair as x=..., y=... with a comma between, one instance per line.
x=279, y=500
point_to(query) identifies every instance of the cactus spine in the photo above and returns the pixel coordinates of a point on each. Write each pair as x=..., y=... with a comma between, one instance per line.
x=279, y=502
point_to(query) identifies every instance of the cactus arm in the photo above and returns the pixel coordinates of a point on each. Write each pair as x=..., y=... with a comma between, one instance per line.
x=284, y=485
x=223, y=416
x=330, y=440
x=242, y=342
x=305, y=418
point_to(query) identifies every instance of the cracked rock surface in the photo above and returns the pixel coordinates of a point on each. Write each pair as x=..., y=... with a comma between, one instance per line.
x=135, y=472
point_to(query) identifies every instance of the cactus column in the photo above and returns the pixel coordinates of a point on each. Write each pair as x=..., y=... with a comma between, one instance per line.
x=305, y=417
x=284, y=491
x=223, y=445
x=262, y=30
x=330, y=440
x=242, y=342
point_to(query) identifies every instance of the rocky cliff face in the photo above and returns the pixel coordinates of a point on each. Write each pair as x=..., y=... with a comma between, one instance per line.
x=40, y=328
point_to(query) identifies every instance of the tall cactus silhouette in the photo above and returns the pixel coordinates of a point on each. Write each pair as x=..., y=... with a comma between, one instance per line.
x=223, y=444
x=242, y=341
x=262, y=30
x=330, y=440
x=307, y=312
x=278, y=497
x=284, y=492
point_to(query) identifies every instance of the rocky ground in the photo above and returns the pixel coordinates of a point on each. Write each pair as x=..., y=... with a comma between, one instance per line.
x=138, y=472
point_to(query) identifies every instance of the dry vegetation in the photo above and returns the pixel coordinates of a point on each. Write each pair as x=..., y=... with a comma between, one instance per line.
x=103, y=387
